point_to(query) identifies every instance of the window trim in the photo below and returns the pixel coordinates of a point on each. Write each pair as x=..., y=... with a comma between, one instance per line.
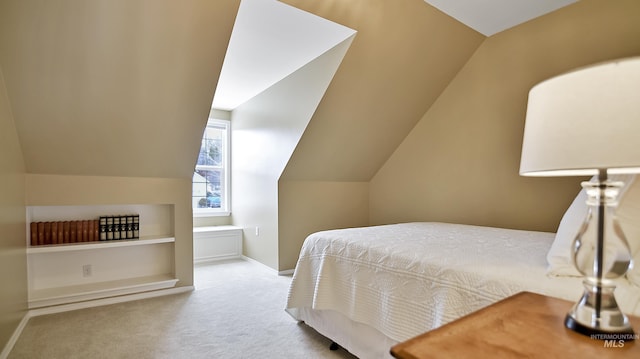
x=226, y=165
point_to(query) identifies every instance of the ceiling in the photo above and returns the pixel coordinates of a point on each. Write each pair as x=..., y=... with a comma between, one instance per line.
x=115, y=69
x=490, y=17
x=271, y=40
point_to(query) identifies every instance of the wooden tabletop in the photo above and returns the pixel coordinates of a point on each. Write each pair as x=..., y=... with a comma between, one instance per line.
x=526, y=325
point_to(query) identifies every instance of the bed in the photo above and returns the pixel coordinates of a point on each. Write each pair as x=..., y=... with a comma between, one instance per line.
x=369, y=288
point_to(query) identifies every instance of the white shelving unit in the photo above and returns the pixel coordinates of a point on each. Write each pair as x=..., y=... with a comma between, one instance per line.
x=69, y=273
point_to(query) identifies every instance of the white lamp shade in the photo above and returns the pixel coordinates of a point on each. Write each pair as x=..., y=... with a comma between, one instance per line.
x=583, y=121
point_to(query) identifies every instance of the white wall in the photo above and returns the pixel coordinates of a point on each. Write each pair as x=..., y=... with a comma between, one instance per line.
x=265, y=132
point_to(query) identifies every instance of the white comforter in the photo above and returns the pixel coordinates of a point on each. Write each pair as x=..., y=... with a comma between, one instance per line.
x=405, y=279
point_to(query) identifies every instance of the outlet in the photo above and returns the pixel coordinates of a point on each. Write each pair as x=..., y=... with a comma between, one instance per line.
x=257, y=231
x=87, y=270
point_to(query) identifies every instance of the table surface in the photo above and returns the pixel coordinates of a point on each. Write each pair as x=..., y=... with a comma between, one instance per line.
x=526, y=325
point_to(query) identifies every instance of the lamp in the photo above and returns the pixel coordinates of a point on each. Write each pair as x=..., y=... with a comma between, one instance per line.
x=587, y=122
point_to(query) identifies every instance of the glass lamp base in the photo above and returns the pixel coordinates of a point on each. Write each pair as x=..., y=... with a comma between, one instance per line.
x=597, y=315
x=601, y=253
x=598, y=333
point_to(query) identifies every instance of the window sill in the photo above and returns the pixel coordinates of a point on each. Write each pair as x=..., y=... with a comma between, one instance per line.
x=201, y=213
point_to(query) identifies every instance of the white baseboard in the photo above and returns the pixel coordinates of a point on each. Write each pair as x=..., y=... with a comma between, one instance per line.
x=107, y=301
x=214, y=259
x=14, y=337
x=286, y=272
x=283, y=272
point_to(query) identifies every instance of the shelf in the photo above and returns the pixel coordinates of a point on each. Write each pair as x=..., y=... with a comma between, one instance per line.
x=97, y=245
x=84, y=272
x=76, y=293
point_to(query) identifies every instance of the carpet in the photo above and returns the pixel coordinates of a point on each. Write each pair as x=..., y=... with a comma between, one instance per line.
x=236, y=311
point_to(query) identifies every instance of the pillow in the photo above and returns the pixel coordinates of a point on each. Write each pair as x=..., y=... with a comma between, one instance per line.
x=559, y=255
x=628, y=214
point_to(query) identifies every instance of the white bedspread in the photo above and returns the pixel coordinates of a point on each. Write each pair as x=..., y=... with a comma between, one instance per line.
x=405, y=279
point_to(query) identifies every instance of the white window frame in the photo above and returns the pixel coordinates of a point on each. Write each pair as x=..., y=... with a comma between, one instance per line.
x=225, y=208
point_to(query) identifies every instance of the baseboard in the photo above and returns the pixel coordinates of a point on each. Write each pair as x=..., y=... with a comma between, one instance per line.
x=214, y=259
x=107, y=301
x=260, y=263
x=14, y=337
x=284, y=272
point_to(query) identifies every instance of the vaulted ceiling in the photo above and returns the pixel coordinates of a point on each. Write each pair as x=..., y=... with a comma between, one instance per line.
x=123, y=88
x=113, y=88
x=404, y=55
x=489, y=17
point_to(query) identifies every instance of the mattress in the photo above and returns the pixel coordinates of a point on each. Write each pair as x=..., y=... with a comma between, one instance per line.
x=404, y=279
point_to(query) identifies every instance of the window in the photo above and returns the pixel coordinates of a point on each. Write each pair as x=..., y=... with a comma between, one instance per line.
x=210, y=190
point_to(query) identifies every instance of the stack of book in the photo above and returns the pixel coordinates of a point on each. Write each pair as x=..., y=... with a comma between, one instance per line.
x=119, y=227
x=102, y=229
x=45, y=233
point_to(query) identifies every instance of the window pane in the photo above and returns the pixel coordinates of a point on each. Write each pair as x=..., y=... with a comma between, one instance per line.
x=207, y=188
x=210, y=193
x=211, y=148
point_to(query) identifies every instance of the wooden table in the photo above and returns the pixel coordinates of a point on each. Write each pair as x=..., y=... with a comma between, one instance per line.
x=526, y=325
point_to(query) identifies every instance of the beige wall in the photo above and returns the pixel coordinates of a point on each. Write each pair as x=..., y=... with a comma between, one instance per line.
x=13, y=267
x=460, y=163
x=113, y=88
x=405, y=54
x=306, y=207
x=61, y=190
x=264, y=133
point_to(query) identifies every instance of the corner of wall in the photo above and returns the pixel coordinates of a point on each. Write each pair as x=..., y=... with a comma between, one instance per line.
x=13, y=267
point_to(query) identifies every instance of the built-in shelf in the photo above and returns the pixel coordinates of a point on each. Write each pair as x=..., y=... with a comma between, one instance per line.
x=85, y=271
x=97, y=245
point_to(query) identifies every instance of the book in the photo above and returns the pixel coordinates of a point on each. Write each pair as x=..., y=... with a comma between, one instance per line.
x=102, y=228
x=67, y=231
x=96, y=230
x=109, y=228
x=85, y=230
x=54, y=233
x=73, y=231
x=40, y=233
x=47, y=233
x=136, y=226
x=33, y=232
x=130, y=226
x=123, y=227
x=90, y=231
x=116, y=227
x=60, y=232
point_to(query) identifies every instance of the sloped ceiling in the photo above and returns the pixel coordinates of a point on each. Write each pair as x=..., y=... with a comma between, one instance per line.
x=489, y=17
x=116, y=88
x=123, y=88
x=270, y=40
x=405, y=54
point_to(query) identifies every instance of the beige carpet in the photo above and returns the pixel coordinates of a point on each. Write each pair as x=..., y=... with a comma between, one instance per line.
x=236, y=311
